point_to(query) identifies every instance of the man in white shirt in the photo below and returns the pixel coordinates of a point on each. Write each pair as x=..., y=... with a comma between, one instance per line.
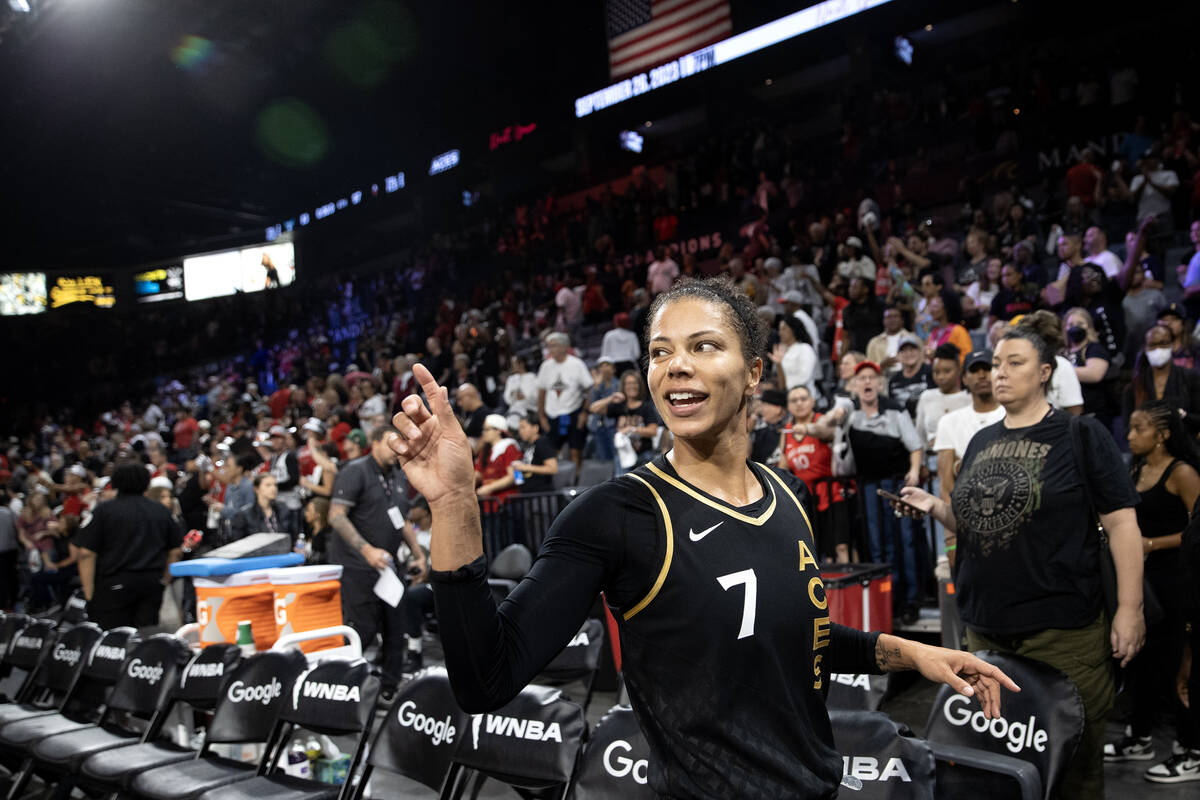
x=661, y=273
x=570, y=307
x=1095, y=245
x=621, y=346
x=954, y=431
x=1153, y=189
x=854, y=264
x=563, y=381
x=884, y=348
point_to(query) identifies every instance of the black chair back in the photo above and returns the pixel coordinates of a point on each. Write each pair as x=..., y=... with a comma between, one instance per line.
x=74, y=611
x=102, y=669
x=150, y=676
x=25, y=652
x=27, y=644
x=11, y=623
x=881, y=758
x=578, y=661
x=1040, y=724
x=616, y=762
x=201, y=680
x=252, y=696
x=66, y=659
x=422, y=732
x=336, y=697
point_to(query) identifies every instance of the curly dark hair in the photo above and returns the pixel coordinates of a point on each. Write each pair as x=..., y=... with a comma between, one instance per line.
x=740, y=311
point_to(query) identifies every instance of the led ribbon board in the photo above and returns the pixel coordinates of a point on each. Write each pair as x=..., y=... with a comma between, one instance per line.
x=723, y=52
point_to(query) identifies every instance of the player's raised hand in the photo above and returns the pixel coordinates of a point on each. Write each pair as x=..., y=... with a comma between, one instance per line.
x=433, y=449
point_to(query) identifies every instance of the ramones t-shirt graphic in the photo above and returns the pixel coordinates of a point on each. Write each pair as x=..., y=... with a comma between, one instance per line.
x=1028, y=551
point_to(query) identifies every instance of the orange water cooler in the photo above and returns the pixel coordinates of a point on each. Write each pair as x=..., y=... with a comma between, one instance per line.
x=222, y=602
x=307, y=598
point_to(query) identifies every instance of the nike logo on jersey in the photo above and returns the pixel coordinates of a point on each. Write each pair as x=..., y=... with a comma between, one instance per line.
x=695, y=537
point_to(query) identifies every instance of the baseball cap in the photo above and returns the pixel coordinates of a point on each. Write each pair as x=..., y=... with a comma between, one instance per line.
x=1172, y=310
x=854, y=241
x=775, y=397
x=357, y=436
x=162, y=482
x=278, y=430
x=792, y=296
x=978, y=357
x=77, y=469
x=867, y=365
x=909, y=339
x=496, y=421
x=315, y=425
x=602, y=360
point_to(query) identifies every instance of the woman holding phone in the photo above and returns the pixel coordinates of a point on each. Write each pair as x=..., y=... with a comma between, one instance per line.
x=725, y=632
x=1028, y=579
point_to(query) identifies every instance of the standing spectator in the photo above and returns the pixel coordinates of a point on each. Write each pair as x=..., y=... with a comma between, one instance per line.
x=1191, y=278
x=539, y=457
x=1167, y=484
x=373, y=407
x=1091, y=361
x=1085, y=180
x=1064, y=390
x=914, y=377
x=974, y=258
x=570, y=308
x=1088, y=289
x=946, y=312
x=563, y=380
x=9, y=552
x=52, y=583
x=35, y=521
x=661, y=273
x=954, y=431
x=946, y=395
x=621, y=345
x=854, y=263
x=1095, y=246
x=861, y=317
x=794, y=358
x=316, y=518
x=884, y=349
x=1140, y=305
x=520, y=390
x=1037, y=523
x=1184, y=351
x=637, y=421
x=811, y=460
x=471, y=411
x=370, y=501
x=1153, y=188
x=982, y=292
x=265, y=514
x=286, y=468
x=1157, y=377
x=124, y=552
x=887, y=451
x=765, y=437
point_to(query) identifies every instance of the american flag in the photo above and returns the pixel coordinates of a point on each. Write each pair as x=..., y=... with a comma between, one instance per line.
x=645, y=33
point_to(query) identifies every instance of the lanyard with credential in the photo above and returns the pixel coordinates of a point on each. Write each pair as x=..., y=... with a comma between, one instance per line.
x=393, y=510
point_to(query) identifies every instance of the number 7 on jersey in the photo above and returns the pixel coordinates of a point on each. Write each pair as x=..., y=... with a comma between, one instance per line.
x=749, y=603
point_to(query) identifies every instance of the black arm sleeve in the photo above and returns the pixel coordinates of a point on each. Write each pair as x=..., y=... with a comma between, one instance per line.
x=852, y=651
x=492, y=653
x=293, y=470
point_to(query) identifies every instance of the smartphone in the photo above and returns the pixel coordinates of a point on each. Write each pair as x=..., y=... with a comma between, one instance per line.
x=895, y=498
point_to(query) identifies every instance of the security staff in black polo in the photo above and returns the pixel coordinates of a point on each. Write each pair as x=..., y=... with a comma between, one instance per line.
x=369, y=513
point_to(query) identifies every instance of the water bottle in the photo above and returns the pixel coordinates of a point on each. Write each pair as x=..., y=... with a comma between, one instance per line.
x=245, y=638
x=301, y=545
x=518, y=477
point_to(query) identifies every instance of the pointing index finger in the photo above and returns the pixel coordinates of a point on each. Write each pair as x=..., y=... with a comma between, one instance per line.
x=438, y=402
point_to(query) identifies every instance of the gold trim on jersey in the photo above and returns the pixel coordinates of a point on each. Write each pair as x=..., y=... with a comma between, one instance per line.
x=666, y=565
x=790, y=494
x=683, y=487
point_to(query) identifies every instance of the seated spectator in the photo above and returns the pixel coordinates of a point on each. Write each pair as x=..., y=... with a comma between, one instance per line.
x=1091, y=361
x=946, y=312
x=638, y=423
x=794, y=358
x=265, y=514
x=539, y=458
x=913, y=378
x=1157, y=377
x=1014, y=296
x=1184, y=351
x=496, y=452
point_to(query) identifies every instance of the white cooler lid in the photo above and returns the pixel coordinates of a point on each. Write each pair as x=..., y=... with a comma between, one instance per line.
x=313, y=573
x=251, y=577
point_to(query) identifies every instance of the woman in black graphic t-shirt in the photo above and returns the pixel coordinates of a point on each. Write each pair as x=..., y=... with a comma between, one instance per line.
x=1028, y=552
x=706, y=560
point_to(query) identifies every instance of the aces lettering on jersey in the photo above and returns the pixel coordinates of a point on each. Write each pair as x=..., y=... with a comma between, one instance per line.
x=816, y=595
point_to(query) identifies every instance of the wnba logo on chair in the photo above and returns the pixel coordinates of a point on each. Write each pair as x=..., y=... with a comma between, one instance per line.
x=513, y=727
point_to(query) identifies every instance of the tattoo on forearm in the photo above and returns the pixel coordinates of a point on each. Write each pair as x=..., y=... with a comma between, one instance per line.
x=887, y=657
x=348, y=532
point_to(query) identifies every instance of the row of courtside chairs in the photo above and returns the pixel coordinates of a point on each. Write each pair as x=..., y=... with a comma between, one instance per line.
x=94, y=711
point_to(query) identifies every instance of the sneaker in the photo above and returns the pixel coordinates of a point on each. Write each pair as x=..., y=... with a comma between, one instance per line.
x=1176, y=769
x=1129, y=748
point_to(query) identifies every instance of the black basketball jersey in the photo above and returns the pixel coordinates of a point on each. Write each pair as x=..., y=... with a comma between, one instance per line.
x=723, y=654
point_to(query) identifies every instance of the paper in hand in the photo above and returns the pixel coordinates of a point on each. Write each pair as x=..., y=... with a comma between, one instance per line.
x=388, y=588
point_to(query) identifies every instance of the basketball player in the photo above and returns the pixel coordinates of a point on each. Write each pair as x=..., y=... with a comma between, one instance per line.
x=706, y=560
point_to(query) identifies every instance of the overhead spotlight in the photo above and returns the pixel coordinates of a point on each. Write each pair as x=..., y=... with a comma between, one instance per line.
x=20, y=6
x=928, y=27
x=648, y=123
x=768, y=81
x=1016, y=111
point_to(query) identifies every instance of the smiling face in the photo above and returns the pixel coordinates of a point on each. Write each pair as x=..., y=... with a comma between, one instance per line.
x=699, y=377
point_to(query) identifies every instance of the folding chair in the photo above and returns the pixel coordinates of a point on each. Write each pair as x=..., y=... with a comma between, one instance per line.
x=141, y=694
x=878, y=753
x=595, y=471
x=336, y=698
x=51, y=679
x=532, y=744
x=421, y=734
x=616, y=761
x=199, y=686
x=578, y=661
x=25, y=643
x=245, y=713
x=507, y=569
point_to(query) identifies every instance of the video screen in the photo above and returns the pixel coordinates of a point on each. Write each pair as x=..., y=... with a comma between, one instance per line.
x=82, y=290
x=22, y=293
x=159, y=283
x=249, y=269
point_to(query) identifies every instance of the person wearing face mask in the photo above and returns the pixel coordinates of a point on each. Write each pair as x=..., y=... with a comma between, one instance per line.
x=1156, y=377
x=1091, y=361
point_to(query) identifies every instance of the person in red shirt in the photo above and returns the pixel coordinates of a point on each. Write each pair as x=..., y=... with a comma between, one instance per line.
x=491, y=465
x=811, y=460
x=1084, y=180
x=185, y=432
